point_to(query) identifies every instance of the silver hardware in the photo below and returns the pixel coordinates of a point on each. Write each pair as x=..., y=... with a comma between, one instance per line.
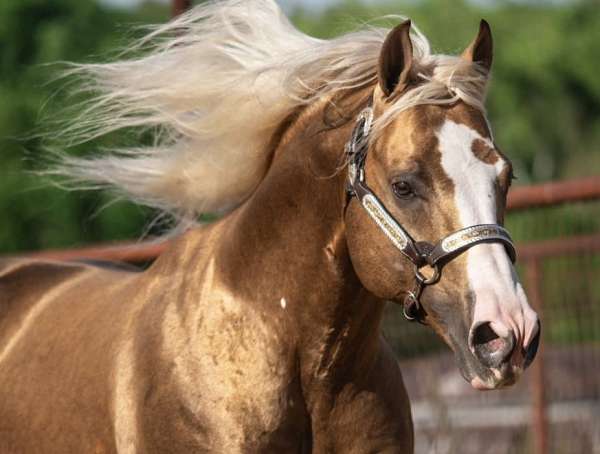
x=384, y=221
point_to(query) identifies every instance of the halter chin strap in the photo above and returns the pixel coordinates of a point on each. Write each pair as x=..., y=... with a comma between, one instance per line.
x=420, y=253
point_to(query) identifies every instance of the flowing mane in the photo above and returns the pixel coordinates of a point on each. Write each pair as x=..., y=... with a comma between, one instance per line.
x=216, y=83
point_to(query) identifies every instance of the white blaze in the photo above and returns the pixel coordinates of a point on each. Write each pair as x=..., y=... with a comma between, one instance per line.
x=499, y=296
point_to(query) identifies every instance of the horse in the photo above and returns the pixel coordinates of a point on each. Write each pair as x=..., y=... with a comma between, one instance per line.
x=347, y=172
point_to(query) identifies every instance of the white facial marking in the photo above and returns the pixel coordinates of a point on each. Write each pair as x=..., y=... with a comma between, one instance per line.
x=499, y=297
x=283, y=303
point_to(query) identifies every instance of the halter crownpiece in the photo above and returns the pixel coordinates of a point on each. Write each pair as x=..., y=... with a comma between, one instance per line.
x=420, y=253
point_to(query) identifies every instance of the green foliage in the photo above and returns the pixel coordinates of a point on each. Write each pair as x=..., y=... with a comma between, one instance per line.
x=544, y=100
x=33, y=35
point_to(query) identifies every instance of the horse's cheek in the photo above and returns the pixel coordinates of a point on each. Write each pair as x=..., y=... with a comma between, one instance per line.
x=378, y=264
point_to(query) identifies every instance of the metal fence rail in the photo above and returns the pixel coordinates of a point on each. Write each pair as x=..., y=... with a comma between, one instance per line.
x=554, y=193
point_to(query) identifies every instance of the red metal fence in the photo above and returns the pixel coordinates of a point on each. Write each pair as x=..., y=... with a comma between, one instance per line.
x=533, y=256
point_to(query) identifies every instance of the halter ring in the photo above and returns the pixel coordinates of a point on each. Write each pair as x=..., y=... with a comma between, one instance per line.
x=428, y=280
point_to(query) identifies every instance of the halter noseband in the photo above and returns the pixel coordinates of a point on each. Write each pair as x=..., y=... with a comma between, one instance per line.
x=420, y=253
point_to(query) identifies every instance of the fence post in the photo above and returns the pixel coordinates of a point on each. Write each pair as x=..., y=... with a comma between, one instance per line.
x=539, y=423
x=180, y=6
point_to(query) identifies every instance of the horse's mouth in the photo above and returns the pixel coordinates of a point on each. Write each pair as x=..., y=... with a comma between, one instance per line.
x=484, y=378
x=497, y=380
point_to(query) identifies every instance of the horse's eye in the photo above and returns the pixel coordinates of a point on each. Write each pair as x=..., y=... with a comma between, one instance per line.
x=402, y=190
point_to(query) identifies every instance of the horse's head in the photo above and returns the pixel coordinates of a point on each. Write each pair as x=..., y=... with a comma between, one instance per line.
x=428, y=170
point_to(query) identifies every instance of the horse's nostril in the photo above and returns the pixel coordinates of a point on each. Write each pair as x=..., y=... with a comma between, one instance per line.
x=531, y=350
x=491, y=349
x=483, y=334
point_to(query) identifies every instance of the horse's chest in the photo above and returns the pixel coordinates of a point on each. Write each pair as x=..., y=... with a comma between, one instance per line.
x=238, y=382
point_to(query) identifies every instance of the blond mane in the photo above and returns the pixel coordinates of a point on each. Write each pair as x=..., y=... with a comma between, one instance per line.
x=216, y=83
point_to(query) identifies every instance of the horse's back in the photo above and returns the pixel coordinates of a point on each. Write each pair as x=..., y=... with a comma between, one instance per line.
x=23, y=282
x=57, y=343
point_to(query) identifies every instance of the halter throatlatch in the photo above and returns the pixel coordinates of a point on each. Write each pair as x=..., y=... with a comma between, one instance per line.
x=421, y=253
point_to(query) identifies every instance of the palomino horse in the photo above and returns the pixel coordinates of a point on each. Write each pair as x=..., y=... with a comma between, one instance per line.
x=261, y=332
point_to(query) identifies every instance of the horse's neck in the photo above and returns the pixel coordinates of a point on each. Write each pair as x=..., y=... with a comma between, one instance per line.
x=286, y=252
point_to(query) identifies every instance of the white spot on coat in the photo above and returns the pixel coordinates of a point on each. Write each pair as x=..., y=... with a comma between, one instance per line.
x=283, y=303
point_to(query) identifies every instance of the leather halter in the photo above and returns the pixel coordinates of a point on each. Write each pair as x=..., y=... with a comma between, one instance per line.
x=420, y=253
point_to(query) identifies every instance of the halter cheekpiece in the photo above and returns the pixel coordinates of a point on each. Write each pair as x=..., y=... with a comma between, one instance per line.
x=421, y=253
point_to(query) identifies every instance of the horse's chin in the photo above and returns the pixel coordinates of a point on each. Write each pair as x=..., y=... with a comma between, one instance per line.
x=492, y=379
x=489, y=385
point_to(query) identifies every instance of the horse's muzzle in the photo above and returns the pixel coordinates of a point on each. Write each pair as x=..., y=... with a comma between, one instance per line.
x=502, y=355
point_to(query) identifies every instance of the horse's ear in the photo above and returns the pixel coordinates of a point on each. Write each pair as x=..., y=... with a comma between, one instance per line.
x=481, y=50
x=395, y=59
